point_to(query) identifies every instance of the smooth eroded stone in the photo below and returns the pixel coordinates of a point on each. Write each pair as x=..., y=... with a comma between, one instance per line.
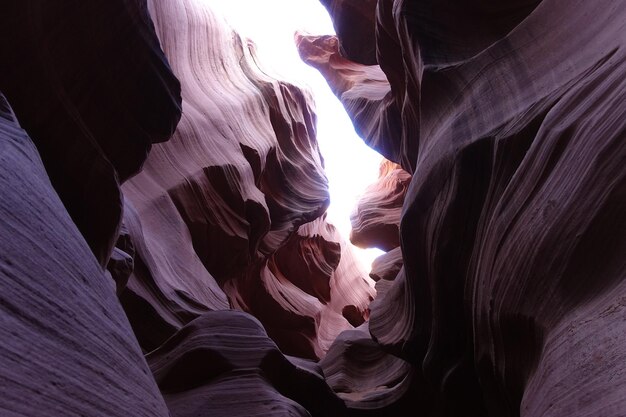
x=229, y=212
x=223, y=363
x=66, y=348
x=387, y=265
x=362, y=374
x=366, y=94
x=301, y=321
x=511, y=118
x=376, y=217
x=355, y=24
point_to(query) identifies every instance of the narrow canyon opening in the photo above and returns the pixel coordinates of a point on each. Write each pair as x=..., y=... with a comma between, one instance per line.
x=350, y=164
x=180, y=181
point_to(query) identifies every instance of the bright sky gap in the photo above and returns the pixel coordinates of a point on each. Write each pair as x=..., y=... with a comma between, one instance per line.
x=350, y=165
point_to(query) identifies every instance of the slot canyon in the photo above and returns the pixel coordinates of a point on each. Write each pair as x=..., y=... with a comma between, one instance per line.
x=166, y=246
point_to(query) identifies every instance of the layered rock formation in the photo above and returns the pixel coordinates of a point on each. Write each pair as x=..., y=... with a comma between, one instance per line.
x=376, y=218
x=511, y=120
x=224, y=364
x=307, y=292
x=92, y=110
x=503, y=295
x=66, y=347
x=233, y=202
x=229, y=213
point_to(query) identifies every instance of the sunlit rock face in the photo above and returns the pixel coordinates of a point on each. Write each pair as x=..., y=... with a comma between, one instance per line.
x=66, y=348
x=503, y=295
x=228, y=213
x=387, y=265
x=376, y=217
x=511, y=119
x=367, y=377
x=364, y=91
x=307, y=292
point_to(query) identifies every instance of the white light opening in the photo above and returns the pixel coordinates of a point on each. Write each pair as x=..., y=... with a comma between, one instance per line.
x=350, y=165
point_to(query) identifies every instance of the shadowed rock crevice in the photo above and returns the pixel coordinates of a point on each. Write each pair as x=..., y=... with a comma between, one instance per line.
x=92, y=108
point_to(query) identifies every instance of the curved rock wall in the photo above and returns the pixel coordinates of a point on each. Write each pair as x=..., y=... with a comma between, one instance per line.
x=232, y=204
x=307, y=292
x=511, y=119
x=92, y=110
x=224, y=364
x=376, y=217
x=231, y=201
x=354, y=23
x=66, y=348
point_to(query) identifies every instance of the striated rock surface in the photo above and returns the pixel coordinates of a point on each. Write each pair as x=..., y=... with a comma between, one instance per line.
x=362, y=374
x=511, y=119
x=504, y=294
x=92, y=107
x=308, y=292
x=228, y=212
x=224, y=364
x=66, y=348
x=376, y=217
x=387, y=265
x=236, y=196
x=366, y=95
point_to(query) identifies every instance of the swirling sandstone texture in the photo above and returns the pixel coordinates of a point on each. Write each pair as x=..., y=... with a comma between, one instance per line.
x=376, y=218
x=511, y=118
x=307, y=292
x=229, y=211
x=504, y=294
x=92, y=111
x=224, y=364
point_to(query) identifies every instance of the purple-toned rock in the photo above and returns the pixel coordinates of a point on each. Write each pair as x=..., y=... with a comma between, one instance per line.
x=511, y=119
x=387, y=265
x=362, y=374
x=229, y=212
x=376, y=217
x=355, y=24
x=306, y=294
x=66, y=348
x=224, y=364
